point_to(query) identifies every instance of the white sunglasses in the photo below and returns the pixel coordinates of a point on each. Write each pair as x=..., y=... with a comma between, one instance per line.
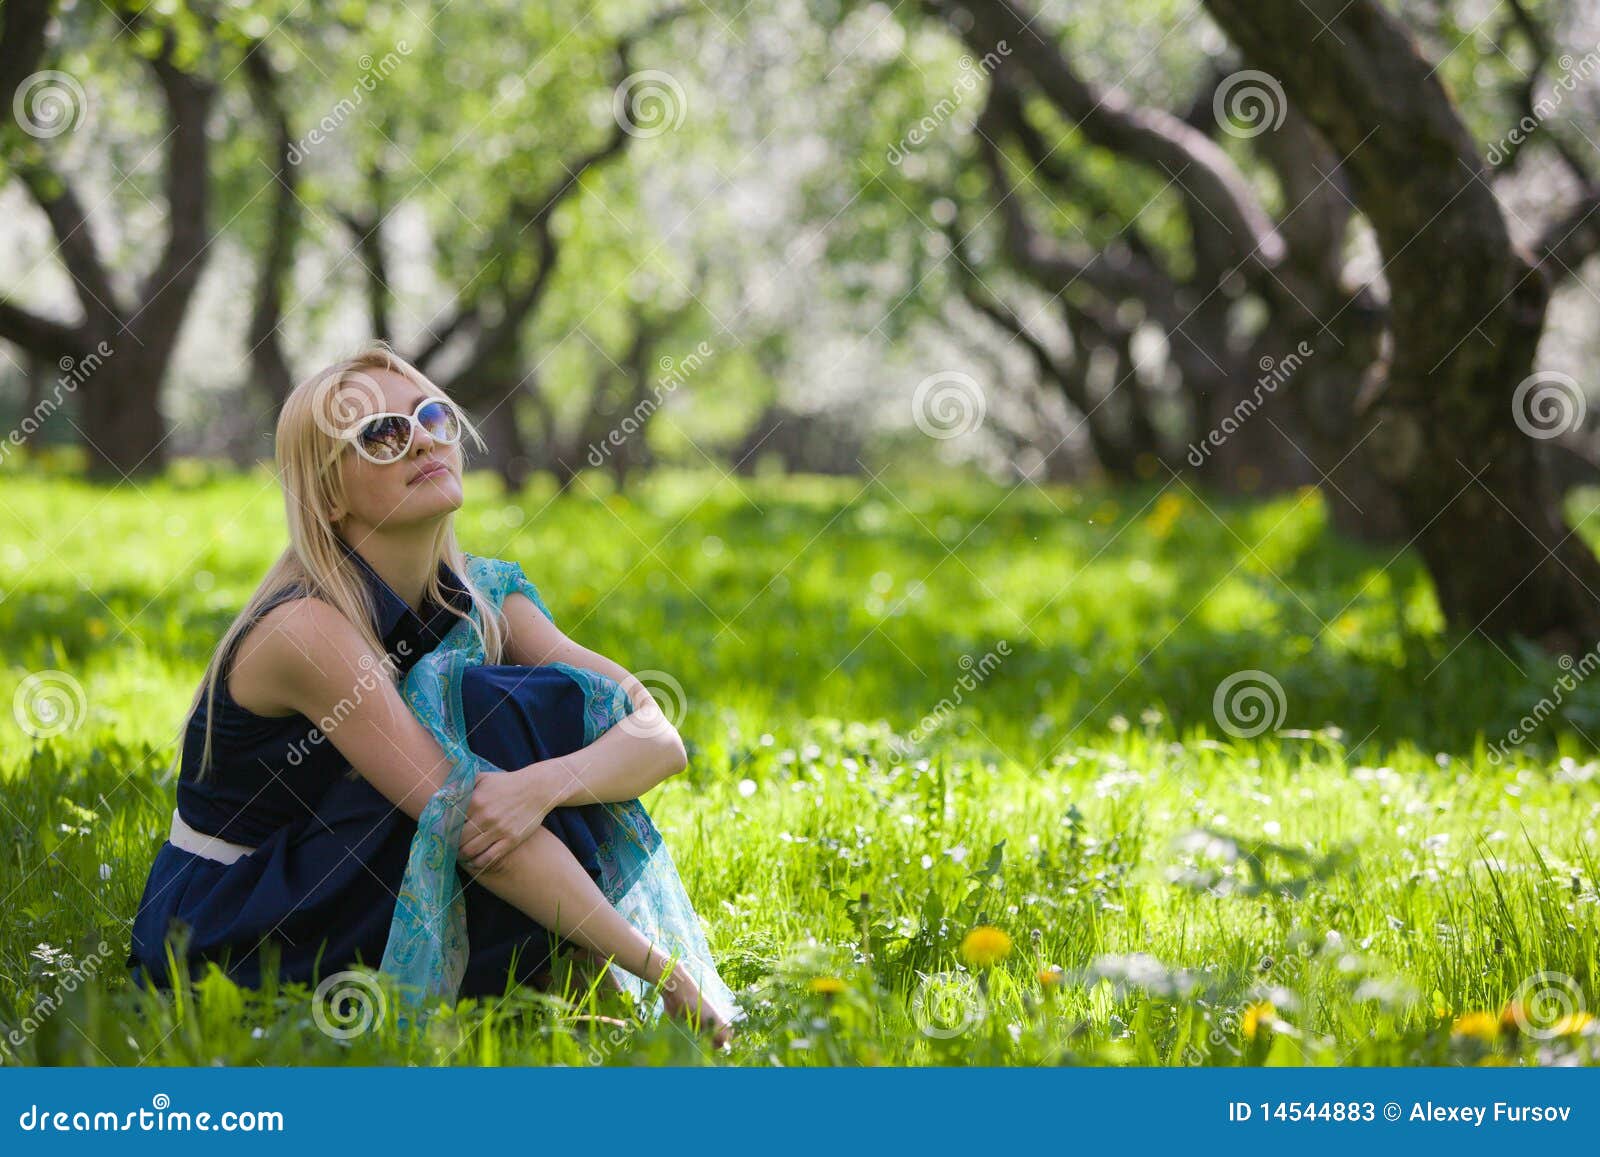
x=386, y=437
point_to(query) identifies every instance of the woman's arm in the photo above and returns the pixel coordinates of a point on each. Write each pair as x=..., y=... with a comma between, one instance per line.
x=305, y=656
x=625, y=762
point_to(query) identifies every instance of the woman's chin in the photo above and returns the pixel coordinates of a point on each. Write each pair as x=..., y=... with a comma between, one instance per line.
x=431, y=498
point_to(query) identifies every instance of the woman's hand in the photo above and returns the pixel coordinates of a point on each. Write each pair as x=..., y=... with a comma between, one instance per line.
x=629, y=759
x=505, y=809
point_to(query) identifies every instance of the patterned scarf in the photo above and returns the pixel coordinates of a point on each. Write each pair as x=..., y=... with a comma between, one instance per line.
x=427, y=948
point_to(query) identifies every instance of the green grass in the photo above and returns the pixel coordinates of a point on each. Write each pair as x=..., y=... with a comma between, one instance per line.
x=1363, y=866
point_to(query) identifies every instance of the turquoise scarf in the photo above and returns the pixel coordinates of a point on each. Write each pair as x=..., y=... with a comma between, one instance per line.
x=427, y=948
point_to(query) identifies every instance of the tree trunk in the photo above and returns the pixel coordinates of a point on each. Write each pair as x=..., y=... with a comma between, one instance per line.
x=123, y=430
x=36, y=371
x=508, y=452
x=268, y=362
x=122, y=425
x=1466, y=312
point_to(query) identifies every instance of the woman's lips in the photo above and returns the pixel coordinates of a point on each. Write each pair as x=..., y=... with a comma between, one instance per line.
x=429, y=471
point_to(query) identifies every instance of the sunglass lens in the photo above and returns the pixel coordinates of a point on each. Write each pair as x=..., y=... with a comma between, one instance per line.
x=386, y=438
x=440, y=421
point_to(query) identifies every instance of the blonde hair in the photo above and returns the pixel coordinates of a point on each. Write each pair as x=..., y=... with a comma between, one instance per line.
x=311, y=436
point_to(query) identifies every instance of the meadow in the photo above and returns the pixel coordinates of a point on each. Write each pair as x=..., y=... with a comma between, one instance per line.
x=962, y=787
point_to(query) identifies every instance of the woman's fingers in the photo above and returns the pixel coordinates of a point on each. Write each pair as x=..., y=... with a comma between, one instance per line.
x=488, y=858
x=482, y=836
x=477, y=835
x=482, y=852
x=473, y=844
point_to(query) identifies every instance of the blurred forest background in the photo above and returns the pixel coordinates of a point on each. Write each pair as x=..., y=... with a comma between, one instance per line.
x=1047, y=242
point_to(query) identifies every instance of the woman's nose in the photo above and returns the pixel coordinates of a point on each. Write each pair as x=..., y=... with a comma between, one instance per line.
x=421, y=440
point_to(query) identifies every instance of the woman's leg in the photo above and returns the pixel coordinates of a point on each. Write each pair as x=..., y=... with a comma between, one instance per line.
x=543, y=879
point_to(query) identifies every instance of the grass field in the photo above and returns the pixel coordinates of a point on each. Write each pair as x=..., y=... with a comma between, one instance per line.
x=912, y=710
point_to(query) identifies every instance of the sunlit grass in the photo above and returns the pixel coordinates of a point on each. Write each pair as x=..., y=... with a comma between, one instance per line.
x=1345, y=886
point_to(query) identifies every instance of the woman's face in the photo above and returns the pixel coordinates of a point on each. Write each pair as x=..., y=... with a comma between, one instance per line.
x=423, y=484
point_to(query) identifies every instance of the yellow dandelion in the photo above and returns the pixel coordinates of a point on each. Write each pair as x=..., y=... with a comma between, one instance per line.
x=827, y=985
x=1050, y=977
x=1258, y=1019
x=97, y=628
x=985, y=946
x=1479, y=1026
x=1168, y=509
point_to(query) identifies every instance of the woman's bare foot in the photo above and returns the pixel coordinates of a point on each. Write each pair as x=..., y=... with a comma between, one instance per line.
x=684, y=1000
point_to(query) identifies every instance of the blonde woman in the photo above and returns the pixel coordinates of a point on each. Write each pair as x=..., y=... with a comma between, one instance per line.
x=302, y=772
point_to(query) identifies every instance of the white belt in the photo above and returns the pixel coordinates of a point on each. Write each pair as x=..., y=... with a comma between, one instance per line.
x=185, y=837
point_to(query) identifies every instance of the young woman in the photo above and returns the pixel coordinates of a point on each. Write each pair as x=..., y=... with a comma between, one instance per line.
x=290, y=837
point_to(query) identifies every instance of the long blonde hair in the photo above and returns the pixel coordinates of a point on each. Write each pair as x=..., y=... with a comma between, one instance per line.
x=308, y=445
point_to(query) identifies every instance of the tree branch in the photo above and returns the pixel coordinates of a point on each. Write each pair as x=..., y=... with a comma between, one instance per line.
x=270, y=363
x=164, y=296
x=22, y=42
x=1523, y=95
x=74, y=243
x=38, y=334
x=1215, y=190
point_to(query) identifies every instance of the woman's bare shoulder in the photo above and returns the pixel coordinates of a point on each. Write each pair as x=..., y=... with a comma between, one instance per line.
x=301, y=641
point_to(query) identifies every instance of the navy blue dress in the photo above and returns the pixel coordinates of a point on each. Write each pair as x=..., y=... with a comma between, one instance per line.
x=319, y=890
